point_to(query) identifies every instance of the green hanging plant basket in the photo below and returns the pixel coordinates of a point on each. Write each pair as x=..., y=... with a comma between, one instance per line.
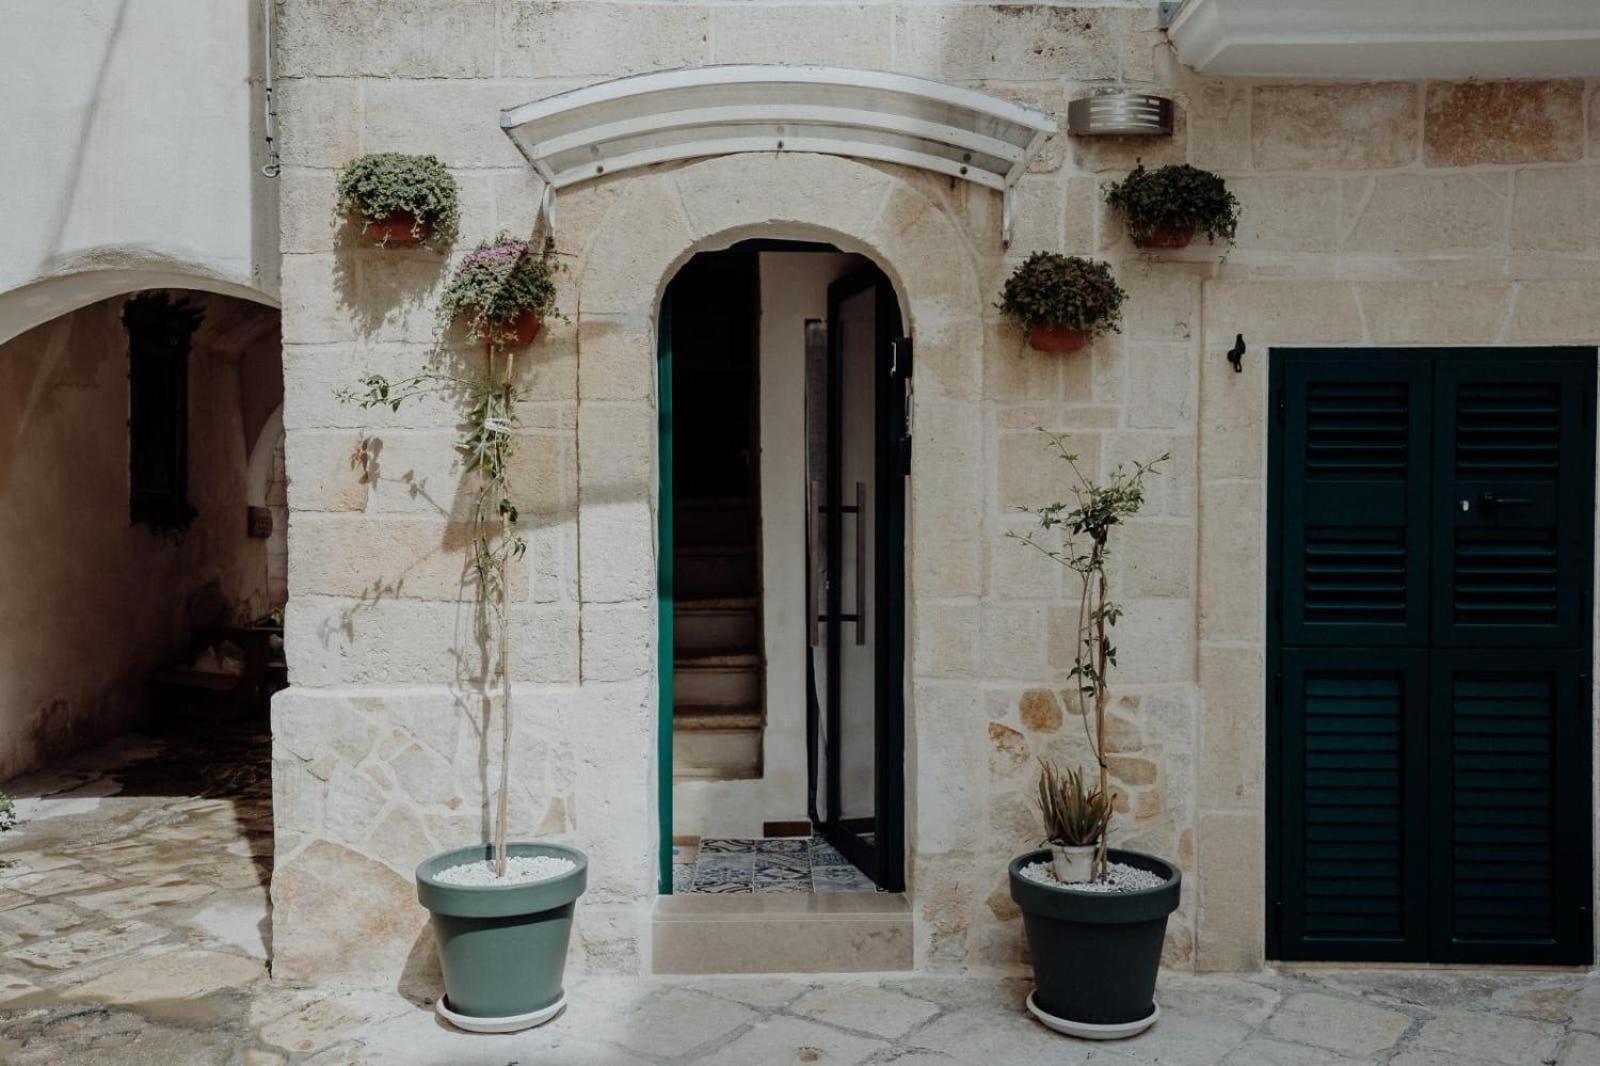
x=502, y=292
x=1168, y=207
x=1062, y=301
x=400, y=199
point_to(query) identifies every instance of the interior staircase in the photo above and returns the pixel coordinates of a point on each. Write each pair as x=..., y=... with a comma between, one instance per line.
x=717, y=714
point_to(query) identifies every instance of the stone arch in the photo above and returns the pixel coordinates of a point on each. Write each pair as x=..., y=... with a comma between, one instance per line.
x=661, y=220
x=107, y=272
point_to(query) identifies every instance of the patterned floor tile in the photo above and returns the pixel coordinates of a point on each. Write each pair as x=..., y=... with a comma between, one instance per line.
x=726, y=845
x=825, y=854
x=727, y=861
x=840, y=879
x=776, y=871
x=783, y=885
x=782, y=846
x=722, y=887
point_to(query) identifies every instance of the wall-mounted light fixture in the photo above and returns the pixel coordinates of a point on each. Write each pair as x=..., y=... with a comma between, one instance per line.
x=1120, y=111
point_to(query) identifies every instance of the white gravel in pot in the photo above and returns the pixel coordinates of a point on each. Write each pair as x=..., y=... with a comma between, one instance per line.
x=1120, y=877
x=520, y=870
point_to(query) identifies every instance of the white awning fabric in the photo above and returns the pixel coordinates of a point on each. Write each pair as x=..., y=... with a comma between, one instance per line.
x=706, y=111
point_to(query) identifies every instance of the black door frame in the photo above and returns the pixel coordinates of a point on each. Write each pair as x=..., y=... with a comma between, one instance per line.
x=1576, y=750
x=883, y=859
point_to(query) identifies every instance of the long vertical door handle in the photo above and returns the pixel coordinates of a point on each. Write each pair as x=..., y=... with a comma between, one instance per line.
x=815, y=553
x=861, y=562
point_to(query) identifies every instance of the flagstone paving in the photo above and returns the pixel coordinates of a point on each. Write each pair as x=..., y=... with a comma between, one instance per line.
x=133, y=929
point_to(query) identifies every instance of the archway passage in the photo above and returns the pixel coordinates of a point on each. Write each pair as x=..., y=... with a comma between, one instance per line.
x=784, y=379
x=141, y=624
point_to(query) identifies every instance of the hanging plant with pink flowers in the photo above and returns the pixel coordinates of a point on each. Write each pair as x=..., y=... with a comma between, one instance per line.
x=502, y=292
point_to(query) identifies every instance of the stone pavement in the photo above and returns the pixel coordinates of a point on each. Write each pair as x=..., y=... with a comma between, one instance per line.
x=133, y=929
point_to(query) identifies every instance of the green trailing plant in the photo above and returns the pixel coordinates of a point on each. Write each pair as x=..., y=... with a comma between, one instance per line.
x=487, y=444
x=1085, y=525
x=1075, y=815
x=384, y=185
x=1175, y=197
x=496, y=283
x=1049, y=288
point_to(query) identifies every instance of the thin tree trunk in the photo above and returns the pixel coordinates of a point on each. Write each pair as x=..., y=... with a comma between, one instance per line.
x=502, y=814
x=1100, y=714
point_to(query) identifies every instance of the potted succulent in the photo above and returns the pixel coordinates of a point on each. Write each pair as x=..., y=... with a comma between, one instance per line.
x=1095, y=942
x=503, y=291
x=400, y=199
x=1075, y=818
x=1062, y=300
x=1165, y=208
x=501, y=911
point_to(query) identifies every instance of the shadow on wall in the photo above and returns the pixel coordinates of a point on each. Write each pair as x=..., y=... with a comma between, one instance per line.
x=94, y=601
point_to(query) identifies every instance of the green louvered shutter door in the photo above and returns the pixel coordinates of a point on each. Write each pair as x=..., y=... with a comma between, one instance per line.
x=1431, y=561
x=1354, y=764
x=1510, y=817
x=1354, y=568
x=1513, y=502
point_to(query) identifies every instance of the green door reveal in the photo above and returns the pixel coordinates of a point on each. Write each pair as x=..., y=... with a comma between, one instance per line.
x=1431, y=551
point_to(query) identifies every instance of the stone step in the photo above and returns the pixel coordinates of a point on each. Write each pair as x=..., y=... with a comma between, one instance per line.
x=799, y=932
x=721, y=624
x=703, y=571
x=732, y=680
x=716, y=743
x=718, y=520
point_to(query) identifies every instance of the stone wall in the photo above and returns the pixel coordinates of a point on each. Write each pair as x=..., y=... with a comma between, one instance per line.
x=1373, y=214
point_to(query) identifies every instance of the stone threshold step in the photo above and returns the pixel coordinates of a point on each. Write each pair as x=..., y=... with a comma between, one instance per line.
x=799, y=932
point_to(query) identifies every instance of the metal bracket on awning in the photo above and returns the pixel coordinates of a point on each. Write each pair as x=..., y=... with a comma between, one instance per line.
x=707, y=111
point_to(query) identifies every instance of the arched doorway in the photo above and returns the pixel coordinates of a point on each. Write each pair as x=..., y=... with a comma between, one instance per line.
x=784, y=382
x=140, y=630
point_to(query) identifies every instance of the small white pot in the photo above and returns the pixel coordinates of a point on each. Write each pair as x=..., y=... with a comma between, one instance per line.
x=1073, y=865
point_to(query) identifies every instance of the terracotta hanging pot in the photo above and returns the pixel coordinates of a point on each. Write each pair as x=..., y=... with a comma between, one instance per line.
x=1167, y=236
x=399, y=228
x=520, y=331
x=1053, y=337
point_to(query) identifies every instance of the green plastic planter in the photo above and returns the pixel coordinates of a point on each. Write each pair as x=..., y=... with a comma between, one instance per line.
x=1095, y=954
x=503, y=949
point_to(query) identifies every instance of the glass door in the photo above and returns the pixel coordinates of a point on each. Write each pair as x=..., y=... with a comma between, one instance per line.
x=857, y=381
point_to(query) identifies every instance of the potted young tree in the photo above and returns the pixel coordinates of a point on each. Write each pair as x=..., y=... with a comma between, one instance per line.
x=1095, y=940
x=501, y=911
x=502, y=292
x=1062, y=300
x=400, y=199
x=1165, y=208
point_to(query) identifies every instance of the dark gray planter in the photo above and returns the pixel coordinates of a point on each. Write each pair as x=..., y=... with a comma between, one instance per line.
x=1095, y=954
x=503, y=949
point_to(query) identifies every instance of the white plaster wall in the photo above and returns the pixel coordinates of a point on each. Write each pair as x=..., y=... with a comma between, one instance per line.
x=133, y=141
x=90, y=603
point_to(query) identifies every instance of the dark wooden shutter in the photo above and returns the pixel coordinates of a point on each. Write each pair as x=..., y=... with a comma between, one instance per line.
x=160, y=331
x=1355, y=497
x=1513, y=502
x=1354, y=733
x=1510, y=817
x=1431, y=557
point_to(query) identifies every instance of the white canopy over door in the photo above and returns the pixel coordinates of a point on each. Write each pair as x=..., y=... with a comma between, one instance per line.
x=706, y=111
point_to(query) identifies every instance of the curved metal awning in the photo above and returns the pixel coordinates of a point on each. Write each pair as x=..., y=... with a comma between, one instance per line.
x=705, y=111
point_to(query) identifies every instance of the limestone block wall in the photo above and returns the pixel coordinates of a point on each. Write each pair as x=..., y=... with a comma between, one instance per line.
x=1373, y=214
